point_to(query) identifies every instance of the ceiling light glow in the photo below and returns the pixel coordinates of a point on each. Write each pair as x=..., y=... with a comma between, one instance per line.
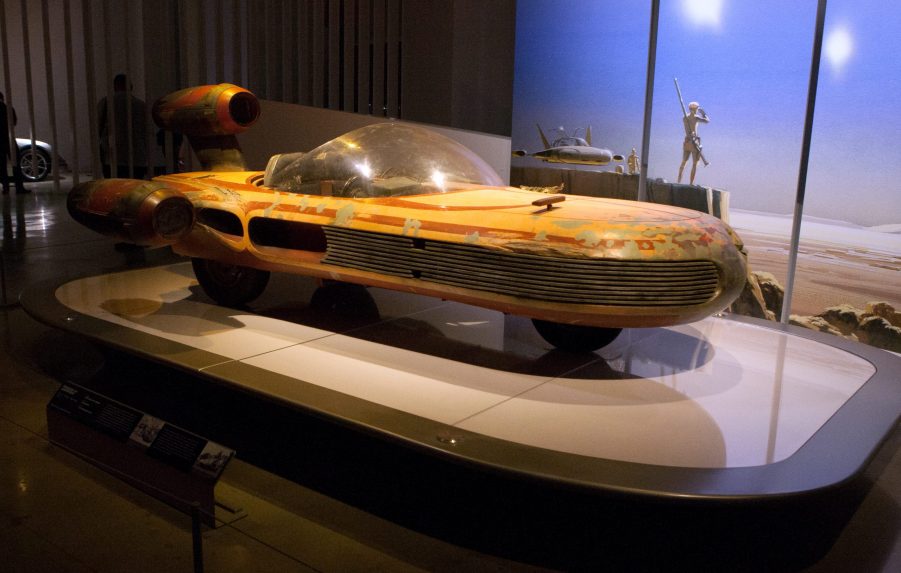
x=838, y=47
x=703, y=12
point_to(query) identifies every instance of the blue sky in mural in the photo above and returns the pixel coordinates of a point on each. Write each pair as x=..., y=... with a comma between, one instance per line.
x=583, y=63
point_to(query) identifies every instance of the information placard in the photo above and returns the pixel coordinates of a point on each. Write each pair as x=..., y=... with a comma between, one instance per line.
x=169, y=462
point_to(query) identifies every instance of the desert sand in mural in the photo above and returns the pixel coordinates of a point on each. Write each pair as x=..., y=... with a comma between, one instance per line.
x=829, y=272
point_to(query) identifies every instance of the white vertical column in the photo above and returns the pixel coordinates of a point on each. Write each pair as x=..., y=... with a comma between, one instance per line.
x=29, y=89
x=51, y=94
x=349, y=63
x=288, y=70
x=201, y=40
x=237, y=14
x=317, y=68
x=184, y=62
x=129, y=86
x=110, y=109
x=219, y=17
x=334, y=55
x=244, y=34
x=378, y=58
x=87, y=22
x=268, y=71
x=70, y=82
x=392, y=59
x=303, y=64
x=7, y=84
x=364, y=80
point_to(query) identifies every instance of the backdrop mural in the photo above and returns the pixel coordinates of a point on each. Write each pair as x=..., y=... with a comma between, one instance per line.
x=583, y=63
x=747, y=64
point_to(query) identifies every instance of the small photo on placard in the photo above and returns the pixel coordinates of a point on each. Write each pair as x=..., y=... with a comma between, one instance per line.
x=212, y=459
x=146, y=430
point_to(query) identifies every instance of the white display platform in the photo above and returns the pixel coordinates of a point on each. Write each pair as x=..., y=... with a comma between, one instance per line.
x=715, y=394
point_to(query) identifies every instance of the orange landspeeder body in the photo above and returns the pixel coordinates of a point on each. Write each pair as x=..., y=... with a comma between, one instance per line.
x=401, y=207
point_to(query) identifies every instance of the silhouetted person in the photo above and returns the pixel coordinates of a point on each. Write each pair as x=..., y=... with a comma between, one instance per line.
x=6, y=147
x=124, y=103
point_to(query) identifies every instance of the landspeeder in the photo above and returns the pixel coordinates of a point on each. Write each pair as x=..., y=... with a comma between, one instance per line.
x=571, y=149
x=401, y=207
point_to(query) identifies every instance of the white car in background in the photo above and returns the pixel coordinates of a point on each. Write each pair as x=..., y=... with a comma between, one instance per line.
x=35, y=162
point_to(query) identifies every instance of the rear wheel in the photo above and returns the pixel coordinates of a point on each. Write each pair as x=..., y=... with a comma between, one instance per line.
x=575, y=337
x=34, y=163
x=229, y=285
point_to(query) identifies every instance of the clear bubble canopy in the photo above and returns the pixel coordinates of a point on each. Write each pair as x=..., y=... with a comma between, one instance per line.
x=381, y=160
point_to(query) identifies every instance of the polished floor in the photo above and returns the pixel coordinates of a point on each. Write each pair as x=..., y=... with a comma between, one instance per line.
x=58, y=513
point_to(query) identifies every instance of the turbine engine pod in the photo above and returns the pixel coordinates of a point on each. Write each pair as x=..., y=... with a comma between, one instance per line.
x=210, y=116
x=223, y=109
x=141, y=212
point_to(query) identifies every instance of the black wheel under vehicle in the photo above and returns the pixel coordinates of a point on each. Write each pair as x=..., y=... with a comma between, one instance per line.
x=34, y=163
x=575, y=337
x=341, y=298
x=229, y=285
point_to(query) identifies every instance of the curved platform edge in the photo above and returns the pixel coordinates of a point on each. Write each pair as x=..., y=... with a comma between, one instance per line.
x=837, y=454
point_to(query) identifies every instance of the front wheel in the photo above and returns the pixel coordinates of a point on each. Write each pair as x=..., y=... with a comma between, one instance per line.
x=229, y=285
x=34, y=163
x=575, y=337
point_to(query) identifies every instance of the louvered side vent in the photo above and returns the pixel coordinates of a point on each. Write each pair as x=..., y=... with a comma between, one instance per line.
x=556, y=279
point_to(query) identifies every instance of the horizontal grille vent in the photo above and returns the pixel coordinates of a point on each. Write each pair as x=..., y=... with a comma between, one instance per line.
x=555, y=279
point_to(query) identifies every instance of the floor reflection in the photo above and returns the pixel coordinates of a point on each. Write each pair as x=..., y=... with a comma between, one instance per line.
x=353, y=311
x=14, y=231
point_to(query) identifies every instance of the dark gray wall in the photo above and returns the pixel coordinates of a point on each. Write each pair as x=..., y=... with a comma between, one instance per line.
x=446, y=62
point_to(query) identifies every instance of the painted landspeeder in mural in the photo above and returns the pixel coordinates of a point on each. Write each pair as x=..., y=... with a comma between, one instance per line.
x=571, y=149
x=401, y=207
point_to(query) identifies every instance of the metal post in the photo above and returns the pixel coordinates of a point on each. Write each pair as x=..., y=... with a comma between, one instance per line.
x=648, y=101
x=196, y=537
x=3, y=302
x=805, y=157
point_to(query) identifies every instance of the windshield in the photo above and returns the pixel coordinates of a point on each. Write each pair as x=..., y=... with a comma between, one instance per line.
x=381, y=160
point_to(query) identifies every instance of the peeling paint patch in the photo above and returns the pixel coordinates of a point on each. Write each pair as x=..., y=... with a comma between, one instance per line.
x=275, y=203
x=411, y=226
x=472, y=238
x=541, y=236
x=570, y=224
x=304, y=203
x=630, y=250
x=320, y=208
x=589, y=238
x=344, y=214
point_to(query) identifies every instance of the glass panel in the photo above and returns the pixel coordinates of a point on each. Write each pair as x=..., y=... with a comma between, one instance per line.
x=851, y=235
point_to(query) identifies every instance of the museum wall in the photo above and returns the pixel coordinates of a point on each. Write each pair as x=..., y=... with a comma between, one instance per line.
x=433, y=61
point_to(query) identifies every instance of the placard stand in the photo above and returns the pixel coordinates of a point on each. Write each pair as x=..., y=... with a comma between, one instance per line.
x=176, y=466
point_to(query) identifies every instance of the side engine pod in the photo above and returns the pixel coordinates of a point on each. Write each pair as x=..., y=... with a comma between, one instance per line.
x=210, y=116
x=142, y=212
